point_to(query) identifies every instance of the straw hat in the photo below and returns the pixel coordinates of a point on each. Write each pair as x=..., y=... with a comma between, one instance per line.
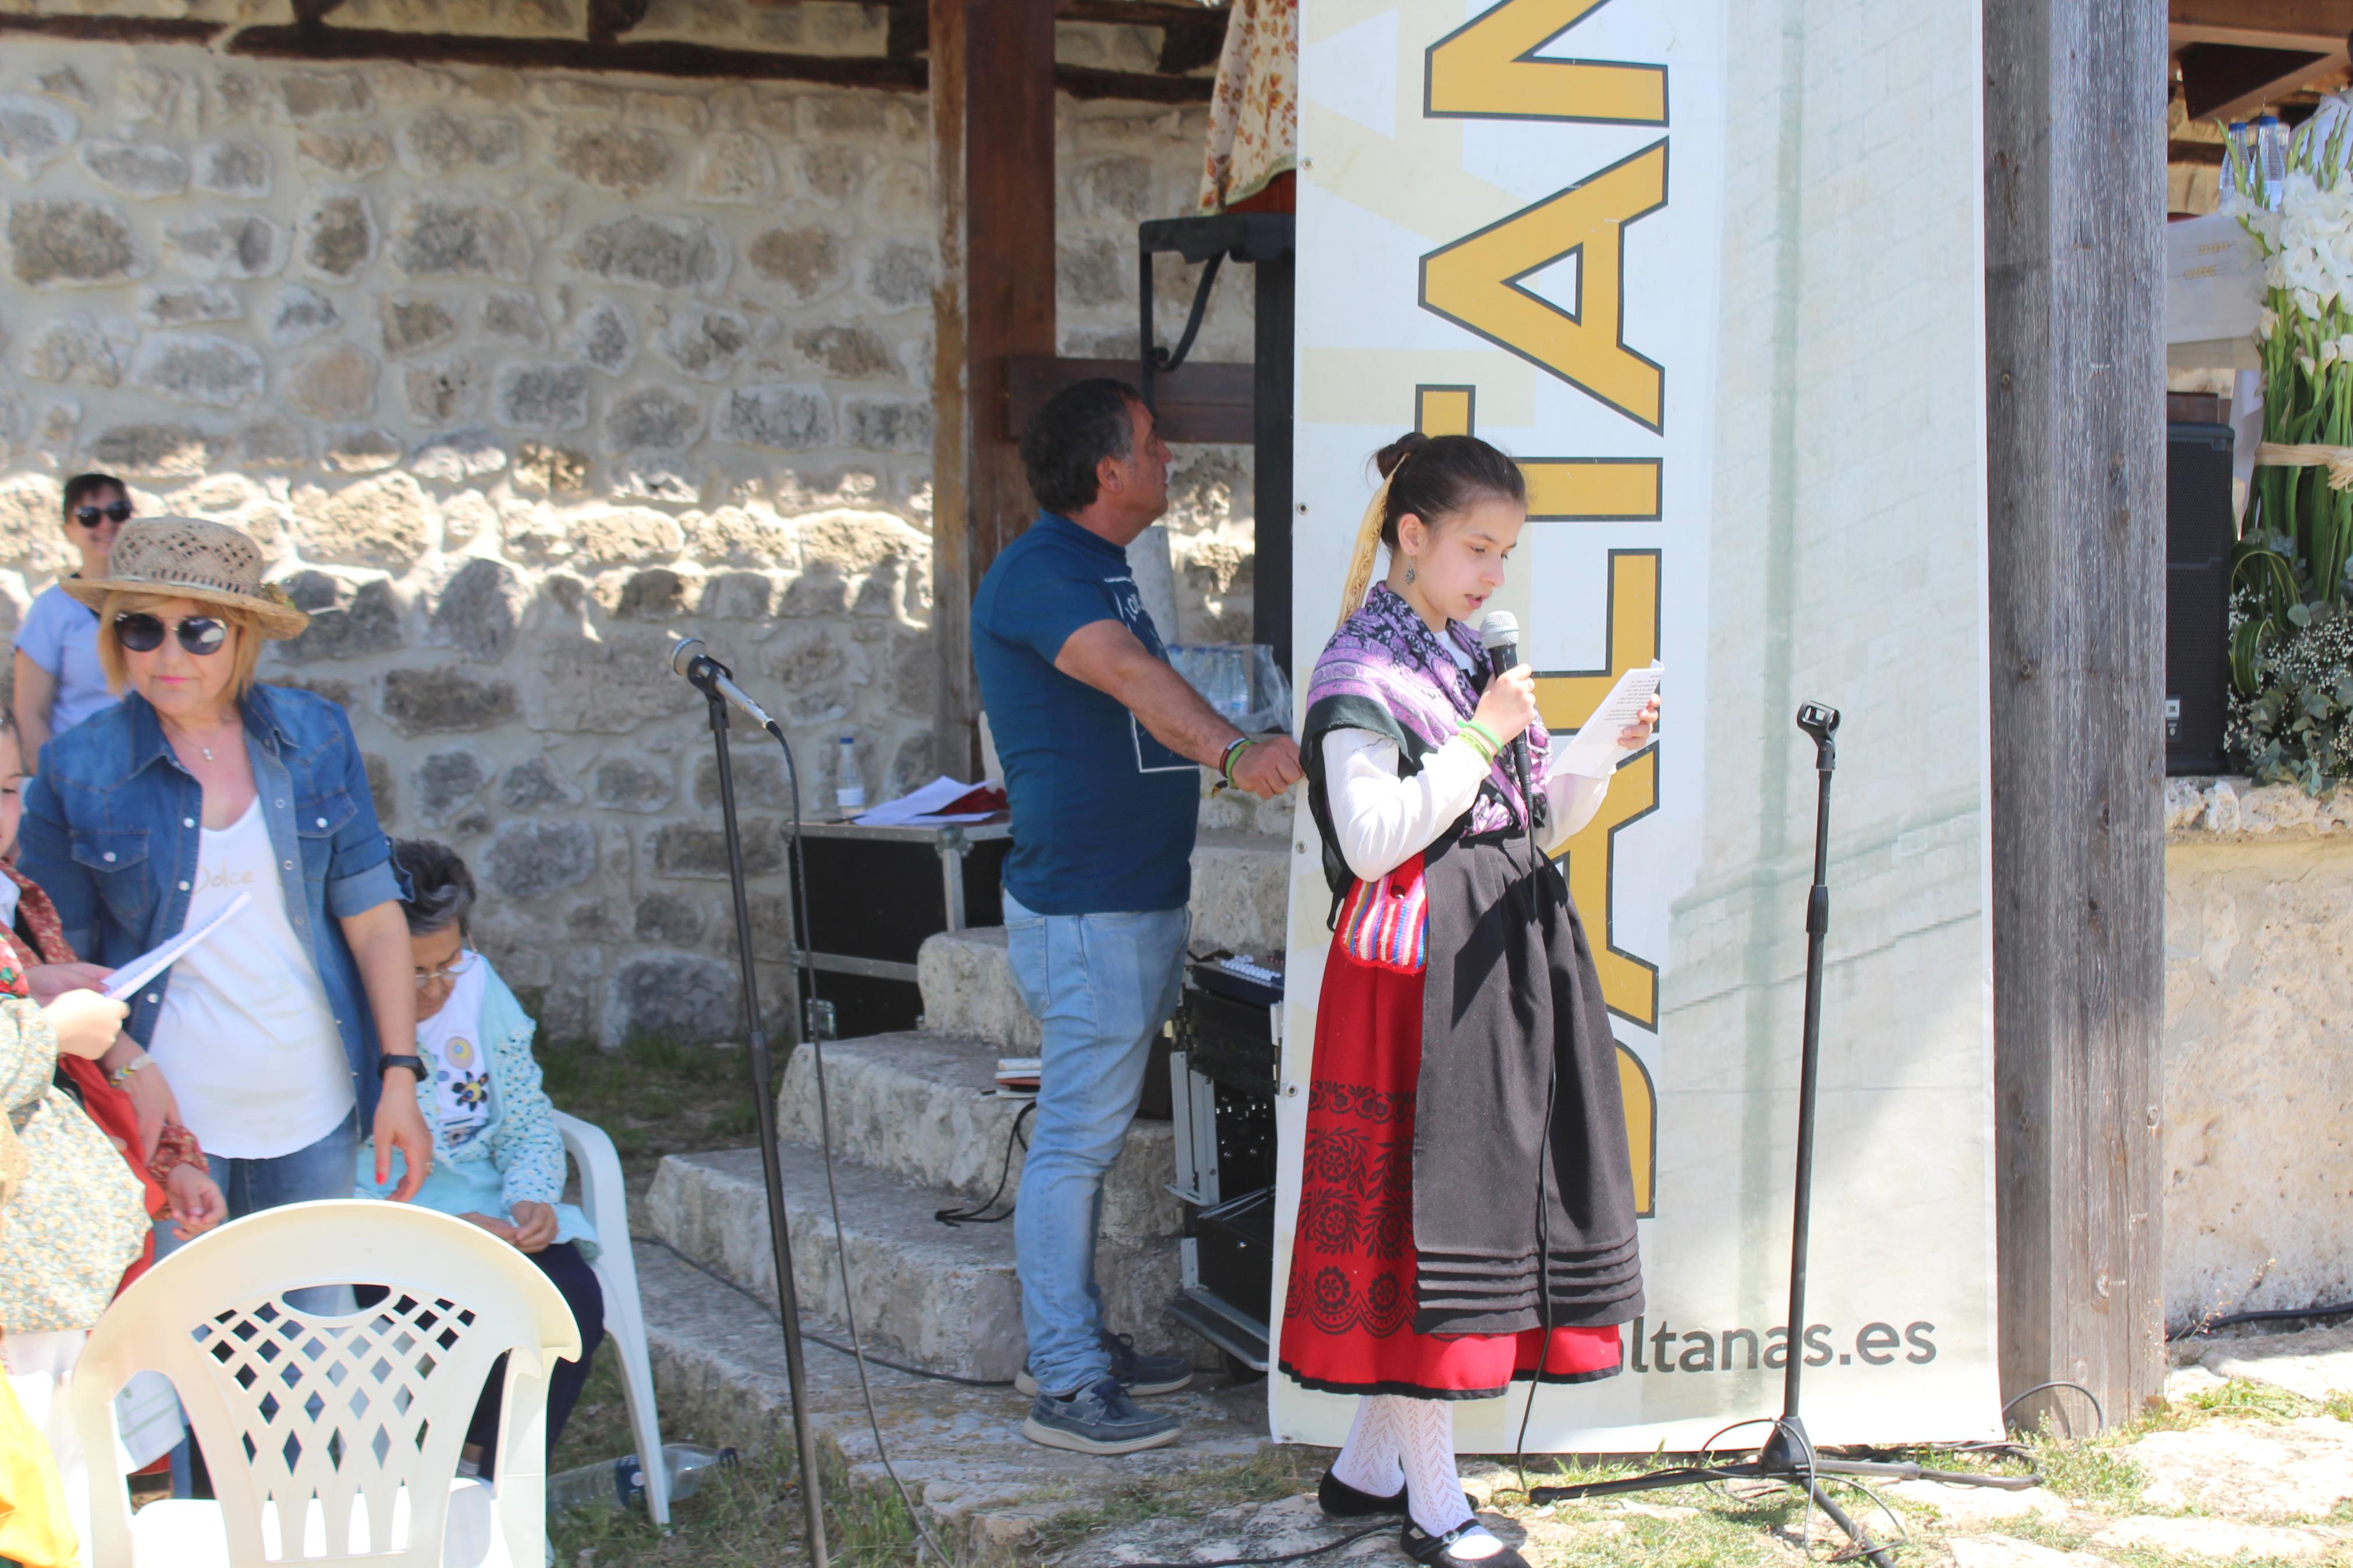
x=192, y=558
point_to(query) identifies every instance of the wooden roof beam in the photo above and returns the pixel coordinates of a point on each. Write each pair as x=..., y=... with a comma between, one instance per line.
x=2224, y=83
x=2312, y=27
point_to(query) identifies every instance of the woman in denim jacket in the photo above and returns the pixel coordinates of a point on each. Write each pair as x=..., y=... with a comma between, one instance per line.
x=203, y=788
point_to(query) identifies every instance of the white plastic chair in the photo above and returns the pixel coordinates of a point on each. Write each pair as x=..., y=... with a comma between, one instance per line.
x=350, y=1425
x=604, y=1199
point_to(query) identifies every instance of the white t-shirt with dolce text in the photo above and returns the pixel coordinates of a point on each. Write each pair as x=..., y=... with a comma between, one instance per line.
x=245, y=1037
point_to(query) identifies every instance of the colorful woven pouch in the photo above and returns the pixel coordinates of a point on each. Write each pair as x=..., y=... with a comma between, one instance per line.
x=1385, y=924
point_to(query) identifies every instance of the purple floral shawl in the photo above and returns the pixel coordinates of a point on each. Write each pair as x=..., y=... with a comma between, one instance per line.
x=1383, y=670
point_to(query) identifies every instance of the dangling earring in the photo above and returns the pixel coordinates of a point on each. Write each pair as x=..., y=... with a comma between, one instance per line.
x=1409, y=571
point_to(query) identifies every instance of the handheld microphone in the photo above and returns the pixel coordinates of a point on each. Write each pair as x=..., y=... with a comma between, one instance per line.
x=1499, y=636
x=690, y=657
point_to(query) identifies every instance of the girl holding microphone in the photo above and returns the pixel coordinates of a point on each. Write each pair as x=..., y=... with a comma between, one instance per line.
x=1467, y=1185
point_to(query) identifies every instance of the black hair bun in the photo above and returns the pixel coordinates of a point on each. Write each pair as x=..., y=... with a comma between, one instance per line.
x=1398, y=451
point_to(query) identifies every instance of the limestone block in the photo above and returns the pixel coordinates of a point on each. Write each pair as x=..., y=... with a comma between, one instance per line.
x=409, y=323
x=233, y=169
x=360, y=450
x=63, y=84
x=1094, y=270
x=442, y=701
x=604, y=688
x=149, y=93
x=691, y=849
x=438, y=142
x=452, y=237
x=177, y=305
x=551, y=398
x=332, y=381
x=210, y=371
x=673, y=919
x=580, y=97
x=779, y=417
x=899, y=275
x=534, y=784
x=833, y=173
x=1118, y=187
x=342, y=151
x=899, y=195
x=444, y=782
x=2294, y=1469
x=626, y=162
x=851, y=352
x=153, y=450
x=649, y=252
x=888, y=424
x=810, y=262
x=466, y=516
x=530, y=859
x=59, y=240
x=855, y=542
x=606, y=336
x=626, y=784
x=674, y=997
x=513, y=318
x=273, y=443
x=821, y=589
x=31, y=523
x=382, y=522
x=338, y=235
x=346, y=622
x=34, y=134
x=623, y=534
x=479, y=610
x=683, y=113
x=705, y=341
x=236, y=95
x=736, y=596
x=78, y=348
x=137, y=169
x=325, y=95
x=229, y=245
x=732, y=533
x=734, y=168
x=550, y=470
x=443, y=390
x=454, y=456
x=652, y=418
x=2222, y=1538
x=2315, y=1362
x=299, y=315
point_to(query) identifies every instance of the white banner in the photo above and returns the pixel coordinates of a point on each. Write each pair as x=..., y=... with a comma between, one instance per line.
x=1730, y=322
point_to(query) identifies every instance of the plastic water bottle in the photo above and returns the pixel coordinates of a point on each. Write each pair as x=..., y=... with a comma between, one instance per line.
x=848, y=784
x=621, y=1483
x=2271, y=147
x=2236, y=160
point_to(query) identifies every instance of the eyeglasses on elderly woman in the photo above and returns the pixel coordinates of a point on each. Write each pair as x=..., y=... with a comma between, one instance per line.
x=142, y=632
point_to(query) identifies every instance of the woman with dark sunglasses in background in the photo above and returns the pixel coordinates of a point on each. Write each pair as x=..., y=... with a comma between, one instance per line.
x=285, y=1039
x=58, y=682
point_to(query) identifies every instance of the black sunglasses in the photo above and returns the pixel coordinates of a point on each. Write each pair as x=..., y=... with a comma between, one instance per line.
x=141, y=633
x=88, y=516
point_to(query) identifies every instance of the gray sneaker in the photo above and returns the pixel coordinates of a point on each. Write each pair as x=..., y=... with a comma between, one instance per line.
x=1140, y=1375
x=1098, y=1420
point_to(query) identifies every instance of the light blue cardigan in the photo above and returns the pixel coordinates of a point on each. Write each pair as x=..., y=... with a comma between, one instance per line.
x=516, y=1155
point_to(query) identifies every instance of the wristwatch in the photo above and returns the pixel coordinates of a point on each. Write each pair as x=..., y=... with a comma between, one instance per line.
x=414, y=1064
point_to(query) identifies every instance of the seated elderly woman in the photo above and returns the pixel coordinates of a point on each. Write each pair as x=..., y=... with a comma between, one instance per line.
x=498, y=1161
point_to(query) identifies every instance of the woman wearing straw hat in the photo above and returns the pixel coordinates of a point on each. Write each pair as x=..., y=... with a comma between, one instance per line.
x=147, y=820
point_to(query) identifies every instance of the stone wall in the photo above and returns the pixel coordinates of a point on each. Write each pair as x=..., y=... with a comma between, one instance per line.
x=2258, y=1049
x=511, y=375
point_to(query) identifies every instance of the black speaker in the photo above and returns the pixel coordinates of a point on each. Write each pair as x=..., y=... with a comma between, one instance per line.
x=2198, y=534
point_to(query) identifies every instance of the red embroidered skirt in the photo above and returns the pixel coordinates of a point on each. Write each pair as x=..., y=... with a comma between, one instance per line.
x=1347, y=1315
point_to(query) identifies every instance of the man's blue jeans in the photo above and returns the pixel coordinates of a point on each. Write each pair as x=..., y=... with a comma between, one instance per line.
x=1100, y=985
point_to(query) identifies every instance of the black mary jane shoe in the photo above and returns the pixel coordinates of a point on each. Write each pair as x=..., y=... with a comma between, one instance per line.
x=1340, y=1500
x=1435, y=1550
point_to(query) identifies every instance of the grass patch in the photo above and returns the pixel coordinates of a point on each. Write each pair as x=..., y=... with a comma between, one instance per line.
x=1275, y=1474
x=2245, y=1397
x=655, y=1097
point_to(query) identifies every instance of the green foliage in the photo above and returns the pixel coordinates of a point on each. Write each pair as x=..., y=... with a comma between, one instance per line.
x=2292, y=721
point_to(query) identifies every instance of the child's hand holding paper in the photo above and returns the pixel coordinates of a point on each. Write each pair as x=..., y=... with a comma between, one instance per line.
x=1621, y=723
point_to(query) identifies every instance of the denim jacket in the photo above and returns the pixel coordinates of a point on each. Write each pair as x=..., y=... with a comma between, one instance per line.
x=112, y=827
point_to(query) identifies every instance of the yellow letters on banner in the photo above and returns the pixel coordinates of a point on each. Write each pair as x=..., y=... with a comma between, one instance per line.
x=1475, y=283
x=1486, y=70
x=1560, y=490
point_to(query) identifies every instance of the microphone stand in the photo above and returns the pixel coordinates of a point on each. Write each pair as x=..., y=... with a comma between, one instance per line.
x=706, y=673
x=1789, y=1455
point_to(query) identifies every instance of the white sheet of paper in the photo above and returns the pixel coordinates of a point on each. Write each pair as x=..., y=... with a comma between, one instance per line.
x=921, y=807
x=1594, y=752
x=128, y=979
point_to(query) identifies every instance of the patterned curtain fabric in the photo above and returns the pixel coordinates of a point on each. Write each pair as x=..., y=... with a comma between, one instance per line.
x=1254, y=116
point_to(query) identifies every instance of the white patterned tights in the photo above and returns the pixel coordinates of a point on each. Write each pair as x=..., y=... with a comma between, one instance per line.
x=1394, y=1435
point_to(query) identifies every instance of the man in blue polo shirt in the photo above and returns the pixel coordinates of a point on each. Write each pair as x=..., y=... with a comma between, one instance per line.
x=1102, y=745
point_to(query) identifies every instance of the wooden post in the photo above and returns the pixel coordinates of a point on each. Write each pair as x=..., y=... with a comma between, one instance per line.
x=2074, y=170
x=992, y=73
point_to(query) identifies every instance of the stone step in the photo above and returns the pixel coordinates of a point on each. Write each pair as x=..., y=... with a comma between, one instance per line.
x=942, y=1298
x=968, y=990
x=981, y=1487
x=916, y=1106
x=1242, y=892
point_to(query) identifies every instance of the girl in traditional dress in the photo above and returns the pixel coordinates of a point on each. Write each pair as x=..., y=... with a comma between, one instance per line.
x=1466, y=1183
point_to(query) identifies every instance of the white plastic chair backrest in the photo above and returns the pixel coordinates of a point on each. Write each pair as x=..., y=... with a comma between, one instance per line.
x=335, y=1416
x=604, y=1195
x=605, y=1200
